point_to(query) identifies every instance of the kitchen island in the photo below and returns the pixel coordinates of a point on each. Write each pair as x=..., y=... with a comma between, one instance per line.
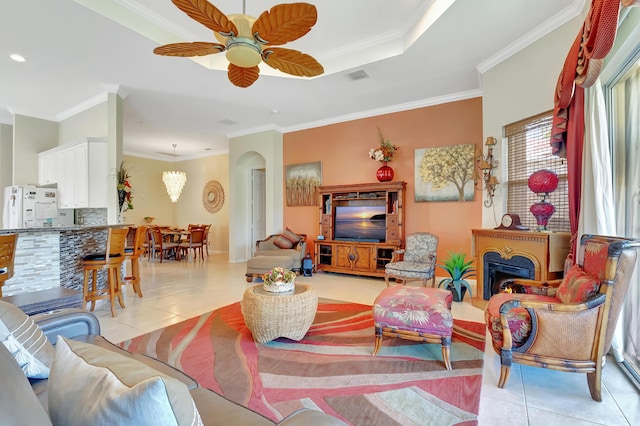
x=50, y=258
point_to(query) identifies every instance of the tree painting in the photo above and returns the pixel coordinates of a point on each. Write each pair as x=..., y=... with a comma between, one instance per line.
x=444, y=173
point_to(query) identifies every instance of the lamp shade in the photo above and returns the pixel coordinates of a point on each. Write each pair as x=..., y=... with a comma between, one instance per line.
x=174, y=181
x=543, y=181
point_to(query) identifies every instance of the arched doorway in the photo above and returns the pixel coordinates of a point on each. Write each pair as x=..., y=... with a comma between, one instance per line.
x=248, y=215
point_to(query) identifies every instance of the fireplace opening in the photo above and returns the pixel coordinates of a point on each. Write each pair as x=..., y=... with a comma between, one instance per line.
x=497, y=269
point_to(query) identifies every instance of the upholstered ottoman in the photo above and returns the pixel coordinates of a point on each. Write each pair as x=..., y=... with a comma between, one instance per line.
x=414, y=313
x=260, y=265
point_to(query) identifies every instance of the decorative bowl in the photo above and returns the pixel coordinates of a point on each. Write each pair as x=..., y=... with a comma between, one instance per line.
x=278, y=287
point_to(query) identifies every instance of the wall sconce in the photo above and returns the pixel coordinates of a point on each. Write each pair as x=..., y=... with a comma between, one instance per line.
x=485, y=180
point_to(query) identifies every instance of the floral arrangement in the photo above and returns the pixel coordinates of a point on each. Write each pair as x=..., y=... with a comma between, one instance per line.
x=125, y=190
x=278, y=274
x=385, y=152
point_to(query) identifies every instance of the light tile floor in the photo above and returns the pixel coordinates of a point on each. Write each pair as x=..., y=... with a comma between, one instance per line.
x=174, y=291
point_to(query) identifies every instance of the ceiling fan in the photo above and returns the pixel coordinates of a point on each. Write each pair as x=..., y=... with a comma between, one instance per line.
x=248, y=40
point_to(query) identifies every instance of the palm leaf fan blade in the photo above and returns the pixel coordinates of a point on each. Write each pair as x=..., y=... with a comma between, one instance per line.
x=208, y=15
x=242, y=77
x=284, y=23
x=198, y=48
x=292, y=62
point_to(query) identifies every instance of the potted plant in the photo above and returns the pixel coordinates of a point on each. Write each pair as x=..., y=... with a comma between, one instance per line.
x=459, y=269
x=279, y=280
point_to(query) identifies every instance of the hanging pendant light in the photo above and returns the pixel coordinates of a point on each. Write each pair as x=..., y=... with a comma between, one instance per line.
x=173, y=180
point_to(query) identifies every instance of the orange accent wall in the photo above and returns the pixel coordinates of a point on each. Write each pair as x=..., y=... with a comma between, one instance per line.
x=343, y=149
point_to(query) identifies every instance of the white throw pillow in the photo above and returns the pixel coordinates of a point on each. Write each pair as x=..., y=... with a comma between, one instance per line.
x=90, y=385
x=26, y=342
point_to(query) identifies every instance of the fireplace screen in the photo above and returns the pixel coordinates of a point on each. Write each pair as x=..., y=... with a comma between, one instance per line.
x=497, y=269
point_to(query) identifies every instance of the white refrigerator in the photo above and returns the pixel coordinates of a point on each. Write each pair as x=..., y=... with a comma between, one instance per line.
x=28, y=206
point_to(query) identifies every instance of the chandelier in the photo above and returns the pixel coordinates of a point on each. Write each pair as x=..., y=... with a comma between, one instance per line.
x=173, y=180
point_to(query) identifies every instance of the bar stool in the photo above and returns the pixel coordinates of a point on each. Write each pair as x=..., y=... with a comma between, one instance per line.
x=112, y=259
x=7, y=255
x=133, y=254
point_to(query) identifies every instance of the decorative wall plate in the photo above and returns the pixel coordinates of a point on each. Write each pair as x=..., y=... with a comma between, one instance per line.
x=213, y=196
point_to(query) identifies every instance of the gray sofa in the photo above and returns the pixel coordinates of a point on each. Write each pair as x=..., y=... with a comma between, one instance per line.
x=24, y=401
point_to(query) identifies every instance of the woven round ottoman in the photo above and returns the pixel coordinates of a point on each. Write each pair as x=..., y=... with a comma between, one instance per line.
x=414, y=313
x=272, y=315
x=259, y=265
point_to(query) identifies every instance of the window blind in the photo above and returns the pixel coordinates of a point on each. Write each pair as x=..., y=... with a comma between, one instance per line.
x=528, y=150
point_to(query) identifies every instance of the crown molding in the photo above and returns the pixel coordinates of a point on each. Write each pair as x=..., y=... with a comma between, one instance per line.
x=91, y=102
x=386, y=110
x=83, y=106
x=14, y=112
x=254, y=130
x=532, y=36
x=161, y=157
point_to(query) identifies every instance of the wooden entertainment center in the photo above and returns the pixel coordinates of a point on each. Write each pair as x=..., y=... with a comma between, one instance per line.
x=360, y=257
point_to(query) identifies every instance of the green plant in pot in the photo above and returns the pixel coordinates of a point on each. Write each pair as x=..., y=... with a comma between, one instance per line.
x=459, y=269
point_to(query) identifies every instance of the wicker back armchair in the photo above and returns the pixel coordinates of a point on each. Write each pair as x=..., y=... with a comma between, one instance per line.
x=567, y=324
x=417, y=261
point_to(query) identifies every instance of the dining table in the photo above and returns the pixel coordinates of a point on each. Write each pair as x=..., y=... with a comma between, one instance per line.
x=175, y=235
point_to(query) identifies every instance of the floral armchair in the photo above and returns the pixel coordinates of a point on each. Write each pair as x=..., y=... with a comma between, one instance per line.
x=417, y=261
x=567, y=324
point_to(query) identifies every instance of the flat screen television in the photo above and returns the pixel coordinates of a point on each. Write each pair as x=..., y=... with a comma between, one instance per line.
x=360, y=223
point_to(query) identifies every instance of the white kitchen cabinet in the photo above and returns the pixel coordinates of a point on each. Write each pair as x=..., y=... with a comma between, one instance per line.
x=81, y=171
x=48, y=167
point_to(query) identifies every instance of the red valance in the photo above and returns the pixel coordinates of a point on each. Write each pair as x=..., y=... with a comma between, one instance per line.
x=582, y=66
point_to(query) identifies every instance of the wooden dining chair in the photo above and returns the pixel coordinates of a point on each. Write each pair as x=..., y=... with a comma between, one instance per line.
x=162, y=247
x=207, y=228
x=194, y=243
x=8, y=244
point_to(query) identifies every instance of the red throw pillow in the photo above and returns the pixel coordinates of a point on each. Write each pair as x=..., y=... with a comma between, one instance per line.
x=288, y=239
x=577, y=286
x=282, y=242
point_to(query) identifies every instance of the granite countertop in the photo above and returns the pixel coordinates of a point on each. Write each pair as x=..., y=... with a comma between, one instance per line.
x=63, y=228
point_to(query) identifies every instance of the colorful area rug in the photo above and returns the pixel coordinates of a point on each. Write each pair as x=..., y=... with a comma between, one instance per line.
x=331, y=369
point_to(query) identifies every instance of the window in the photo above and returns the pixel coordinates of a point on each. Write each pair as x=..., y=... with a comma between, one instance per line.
x=625, y=114
x=528, y=150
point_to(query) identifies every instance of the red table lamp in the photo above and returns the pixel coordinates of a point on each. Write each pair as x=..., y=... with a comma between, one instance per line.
x=542, y=183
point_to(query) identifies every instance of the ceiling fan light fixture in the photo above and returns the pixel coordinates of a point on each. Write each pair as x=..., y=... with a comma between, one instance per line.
x=243, y=37
x=243, y=25
x=243, y=52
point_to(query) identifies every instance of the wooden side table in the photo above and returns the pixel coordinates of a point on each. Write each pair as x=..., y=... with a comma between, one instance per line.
x=272, y=315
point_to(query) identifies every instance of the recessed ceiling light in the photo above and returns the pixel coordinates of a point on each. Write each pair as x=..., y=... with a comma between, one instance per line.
x=227, y=122
x=358, y=75
x=275, y=111
x=17, y=58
